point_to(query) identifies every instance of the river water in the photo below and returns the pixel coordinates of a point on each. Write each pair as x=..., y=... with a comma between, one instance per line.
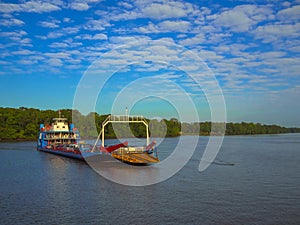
x=254, y=180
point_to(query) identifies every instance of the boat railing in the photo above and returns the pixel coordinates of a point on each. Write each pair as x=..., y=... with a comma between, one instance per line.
x=124, y=118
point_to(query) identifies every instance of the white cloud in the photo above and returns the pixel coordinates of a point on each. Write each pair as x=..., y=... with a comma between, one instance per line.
x=27, y=62
x=127, y=5
x=174, y=26
x=58, y=45
x=79, y=6
x=92, y=37
x=30, y=6
x=39, y=7
x=150, y=28
x=196, y=40
x=17, y=37
x=163, y=11
x=23, y=52
x=55, y=62
x=289, y=14
x=94, y=25
x=36, y=57
x=62, y=55
x=236, y=20
x=74, y=61
x=99, y=37
x=13, y=34
x=209, y=55
x=271, y=55
x=166, y=26
x=274, y=32
x=4, y=62
x=294, y=48
x=55, y=34
x=63, y=32
x=235, y=50
x=9, y=8
x=161, y=50
x=286, y=4
x=49, y=24
x=11, y=22
x=159, y=10
x=127, y=39
x=242, y=18
x=67, y=20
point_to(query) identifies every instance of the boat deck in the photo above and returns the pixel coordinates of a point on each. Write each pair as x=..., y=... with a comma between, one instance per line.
x=135, y=155
x=136, y=158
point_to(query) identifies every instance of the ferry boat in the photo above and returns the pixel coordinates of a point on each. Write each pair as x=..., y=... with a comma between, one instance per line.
x=63, y=139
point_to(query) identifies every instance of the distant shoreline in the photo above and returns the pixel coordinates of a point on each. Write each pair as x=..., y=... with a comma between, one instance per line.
x=3, y=140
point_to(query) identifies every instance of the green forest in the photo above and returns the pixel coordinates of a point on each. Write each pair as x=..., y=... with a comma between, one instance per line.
x=23, y=124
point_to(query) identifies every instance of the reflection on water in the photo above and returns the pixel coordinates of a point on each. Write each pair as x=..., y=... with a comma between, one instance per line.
x=179, y=152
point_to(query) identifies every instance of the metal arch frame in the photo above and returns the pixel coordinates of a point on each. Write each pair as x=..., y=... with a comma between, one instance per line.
x=123, y=119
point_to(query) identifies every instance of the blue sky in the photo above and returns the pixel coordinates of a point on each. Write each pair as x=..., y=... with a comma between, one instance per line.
x=250, y=48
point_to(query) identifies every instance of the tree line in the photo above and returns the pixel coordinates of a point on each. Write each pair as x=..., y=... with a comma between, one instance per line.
x=23, y=124
x=242, y=128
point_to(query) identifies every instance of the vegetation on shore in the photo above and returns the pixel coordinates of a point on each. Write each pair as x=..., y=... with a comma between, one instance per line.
x=23, y=124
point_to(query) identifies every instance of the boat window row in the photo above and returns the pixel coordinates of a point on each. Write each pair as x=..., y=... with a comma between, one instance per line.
x=60, y=135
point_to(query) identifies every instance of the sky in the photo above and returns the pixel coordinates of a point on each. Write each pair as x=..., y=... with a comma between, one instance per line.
x=193, y=60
